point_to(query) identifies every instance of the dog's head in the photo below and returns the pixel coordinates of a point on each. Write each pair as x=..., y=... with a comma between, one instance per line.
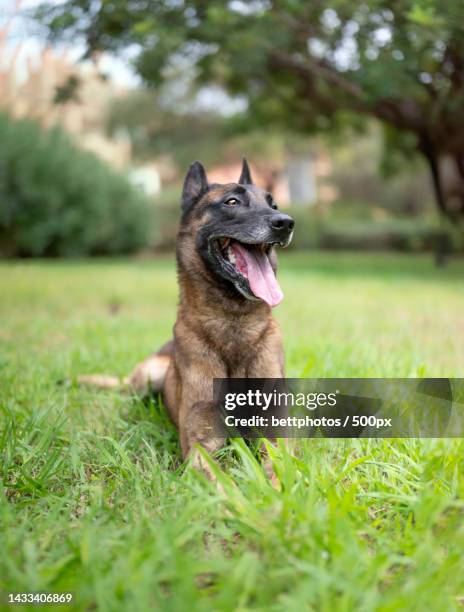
x=231, y=230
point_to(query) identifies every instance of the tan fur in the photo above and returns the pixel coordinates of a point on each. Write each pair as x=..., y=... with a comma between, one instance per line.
x=216, y=335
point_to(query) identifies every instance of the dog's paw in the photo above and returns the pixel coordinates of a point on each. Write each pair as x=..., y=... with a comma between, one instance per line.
x=198, y=462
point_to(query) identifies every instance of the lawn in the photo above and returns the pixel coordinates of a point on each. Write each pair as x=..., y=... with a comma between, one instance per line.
x=96, y=501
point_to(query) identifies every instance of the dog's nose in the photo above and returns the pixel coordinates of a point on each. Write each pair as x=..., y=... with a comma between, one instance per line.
x=283, y=224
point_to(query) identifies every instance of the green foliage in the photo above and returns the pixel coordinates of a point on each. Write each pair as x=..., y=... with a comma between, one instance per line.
x=405, y=188
x=304, y=66
x=317, y=230
x=397, y=63
x=56, y=200
x=167, y=226
x=94, y=498
x=159, y=128
x=162, y=123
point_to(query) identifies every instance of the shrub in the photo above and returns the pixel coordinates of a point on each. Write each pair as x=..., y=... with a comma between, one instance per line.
x=168, y=212
x=57, y=200
x=339, y=230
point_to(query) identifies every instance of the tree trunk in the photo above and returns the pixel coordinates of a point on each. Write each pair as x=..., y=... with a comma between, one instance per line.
x=442, y=246
x=459, y=161
x=431, y=155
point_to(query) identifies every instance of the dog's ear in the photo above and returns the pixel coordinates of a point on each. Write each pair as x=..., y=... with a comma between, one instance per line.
x=195, y=184
x=245, y=177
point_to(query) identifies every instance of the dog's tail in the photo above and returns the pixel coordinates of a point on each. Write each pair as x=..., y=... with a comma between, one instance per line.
x=103, y=381
x=147, y=377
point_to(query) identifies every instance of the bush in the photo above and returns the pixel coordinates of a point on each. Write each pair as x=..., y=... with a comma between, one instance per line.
x=316, y=230
x=56, y=200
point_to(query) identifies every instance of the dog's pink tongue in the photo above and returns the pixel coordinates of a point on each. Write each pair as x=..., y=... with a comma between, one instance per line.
x=260, y=275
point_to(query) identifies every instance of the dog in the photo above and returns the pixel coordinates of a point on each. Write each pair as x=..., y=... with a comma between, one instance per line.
x=226, y=265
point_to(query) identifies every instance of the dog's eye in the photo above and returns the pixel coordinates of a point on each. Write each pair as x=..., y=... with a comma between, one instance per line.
x=232, y=202
x=271, y=202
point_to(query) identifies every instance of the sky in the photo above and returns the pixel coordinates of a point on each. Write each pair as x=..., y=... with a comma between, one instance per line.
x=119, y=70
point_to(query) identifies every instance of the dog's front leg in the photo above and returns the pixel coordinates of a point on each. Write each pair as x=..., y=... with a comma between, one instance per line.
x=200, y=427
x=269, y=364
x=198, y=417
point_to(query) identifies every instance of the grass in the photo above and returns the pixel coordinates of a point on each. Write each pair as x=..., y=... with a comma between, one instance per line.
x=95, y=499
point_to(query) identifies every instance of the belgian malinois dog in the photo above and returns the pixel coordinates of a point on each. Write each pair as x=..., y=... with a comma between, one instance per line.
x=226, y=267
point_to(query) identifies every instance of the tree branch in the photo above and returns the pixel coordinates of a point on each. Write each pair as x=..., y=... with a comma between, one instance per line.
x=404, y=114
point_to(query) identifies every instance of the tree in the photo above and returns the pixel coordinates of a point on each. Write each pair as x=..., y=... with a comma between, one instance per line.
x=162, y=123
x=306, y=65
